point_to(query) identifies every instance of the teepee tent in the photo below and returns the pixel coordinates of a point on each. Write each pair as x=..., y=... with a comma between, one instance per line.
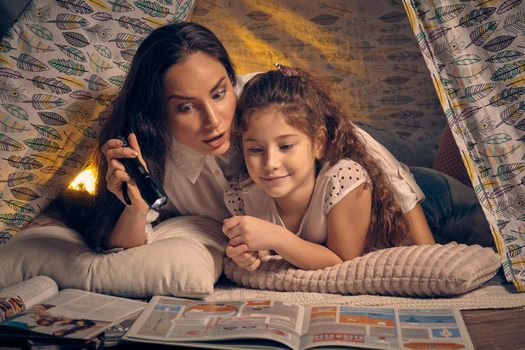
x=390, y=58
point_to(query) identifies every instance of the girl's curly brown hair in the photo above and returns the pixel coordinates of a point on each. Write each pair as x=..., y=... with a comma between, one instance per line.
x=309, y=104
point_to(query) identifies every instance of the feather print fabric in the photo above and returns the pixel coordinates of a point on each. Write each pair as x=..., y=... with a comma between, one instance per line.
x=486, y=110
x=61, y=65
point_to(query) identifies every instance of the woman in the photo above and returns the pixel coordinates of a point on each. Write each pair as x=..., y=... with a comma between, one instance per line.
x=179, y=101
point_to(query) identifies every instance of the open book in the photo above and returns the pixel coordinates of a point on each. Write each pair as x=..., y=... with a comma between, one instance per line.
x=36, y=308
x=266, y=324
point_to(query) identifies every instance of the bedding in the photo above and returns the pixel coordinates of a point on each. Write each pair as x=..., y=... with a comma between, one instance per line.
x=448, y=158
x=185, y=258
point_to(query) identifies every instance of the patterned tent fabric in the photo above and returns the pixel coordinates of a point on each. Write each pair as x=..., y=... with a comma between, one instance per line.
x=475, y=53
x=366, y=47
x=61, y=64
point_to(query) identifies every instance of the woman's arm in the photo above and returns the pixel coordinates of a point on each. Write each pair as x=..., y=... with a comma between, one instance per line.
x=129, y=231
x=257, y=234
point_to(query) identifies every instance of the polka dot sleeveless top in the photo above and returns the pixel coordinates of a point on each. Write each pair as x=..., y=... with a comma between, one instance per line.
x=333, y=183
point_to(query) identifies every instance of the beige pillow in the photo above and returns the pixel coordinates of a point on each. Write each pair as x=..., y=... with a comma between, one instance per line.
x=184, y=259
x=430, y=270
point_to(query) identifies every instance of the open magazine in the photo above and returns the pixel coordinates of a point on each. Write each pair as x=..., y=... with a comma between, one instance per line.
x=36, y=308
x=267, y=324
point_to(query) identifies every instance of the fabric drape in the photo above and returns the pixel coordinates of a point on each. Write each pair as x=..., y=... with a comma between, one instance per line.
x=475, y=53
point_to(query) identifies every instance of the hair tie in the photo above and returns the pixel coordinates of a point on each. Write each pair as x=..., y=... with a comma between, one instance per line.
x=285, y=70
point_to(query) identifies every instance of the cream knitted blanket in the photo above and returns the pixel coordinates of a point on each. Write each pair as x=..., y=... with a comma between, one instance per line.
x=495, y=294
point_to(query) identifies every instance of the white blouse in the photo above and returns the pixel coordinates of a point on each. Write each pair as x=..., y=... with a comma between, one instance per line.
x=406, y=190
x=332, y=184
x=194, y=182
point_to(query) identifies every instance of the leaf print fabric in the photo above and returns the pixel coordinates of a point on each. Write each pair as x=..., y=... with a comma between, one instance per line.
x=61, y=65
x=476, y=61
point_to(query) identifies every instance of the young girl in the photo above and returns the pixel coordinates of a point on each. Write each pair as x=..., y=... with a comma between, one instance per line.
x=314, y=196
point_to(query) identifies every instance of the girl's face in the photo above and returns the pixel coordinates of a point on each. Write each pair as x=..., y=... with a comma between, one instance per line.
x=279, y=157
x=200, y=103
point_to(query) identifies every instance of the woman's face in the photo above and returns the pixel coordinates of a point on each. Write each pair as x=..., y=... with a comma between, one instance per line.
x=200, y=103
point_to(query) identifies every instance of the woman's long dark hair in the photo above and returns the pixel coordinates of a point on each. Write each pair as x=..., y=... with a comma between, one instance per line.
x=310, y=105
x=140, y=107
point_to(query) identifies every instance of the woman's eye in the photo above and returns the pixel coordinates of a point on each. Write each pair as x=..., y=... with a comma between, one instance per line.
x=286, y=147
x=255, y=150
x=220, y=94
x=184, y=108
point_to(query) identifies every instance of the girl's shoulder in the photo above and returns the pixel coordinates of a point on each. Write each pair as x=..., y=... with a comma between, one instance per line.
x=239, y=183
x=341, y=179
x=345, y=168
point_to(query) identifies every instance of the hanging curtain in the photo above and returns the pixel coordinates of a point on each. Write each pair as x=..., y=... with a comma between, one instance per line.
x=475, y=53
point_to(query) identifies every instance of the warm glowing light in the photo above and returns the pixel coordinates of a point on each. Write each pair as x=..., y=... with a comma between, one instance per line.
x=85, y=181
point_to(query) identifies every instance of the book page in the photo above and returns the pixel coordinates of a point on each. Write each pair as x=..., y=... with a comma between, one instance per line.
x=75, y=303
x=75, y=314
x=18, y=297
x=383, y=328
x=180, y=321
x=433, y=328
x=351, y=326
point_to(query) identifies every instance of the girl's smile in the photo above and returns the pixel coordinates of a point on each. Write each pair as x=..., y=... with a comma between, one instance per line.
x=273, y=179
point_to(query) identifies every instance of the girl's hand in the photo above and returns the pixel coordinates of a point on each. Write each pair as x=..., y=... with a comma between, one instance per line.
x=255, y=233
x=247, y=259
x=117, y=175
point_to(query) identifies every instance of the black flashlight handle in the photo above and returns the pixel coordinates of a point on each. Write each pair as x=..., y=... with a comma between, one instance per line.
x=149, y=189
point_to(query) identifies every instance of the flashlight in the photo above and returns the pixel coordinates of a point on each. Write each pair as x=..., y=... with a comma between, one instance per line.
x=149, y=189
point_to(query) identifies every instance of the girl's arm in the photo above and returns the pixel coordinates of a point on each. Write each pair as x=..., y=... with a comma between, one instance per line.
x=348, y=222
x=349, y=219
x=247, y=259
x=254, y=234
x=419, y=232
x=304, y=254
